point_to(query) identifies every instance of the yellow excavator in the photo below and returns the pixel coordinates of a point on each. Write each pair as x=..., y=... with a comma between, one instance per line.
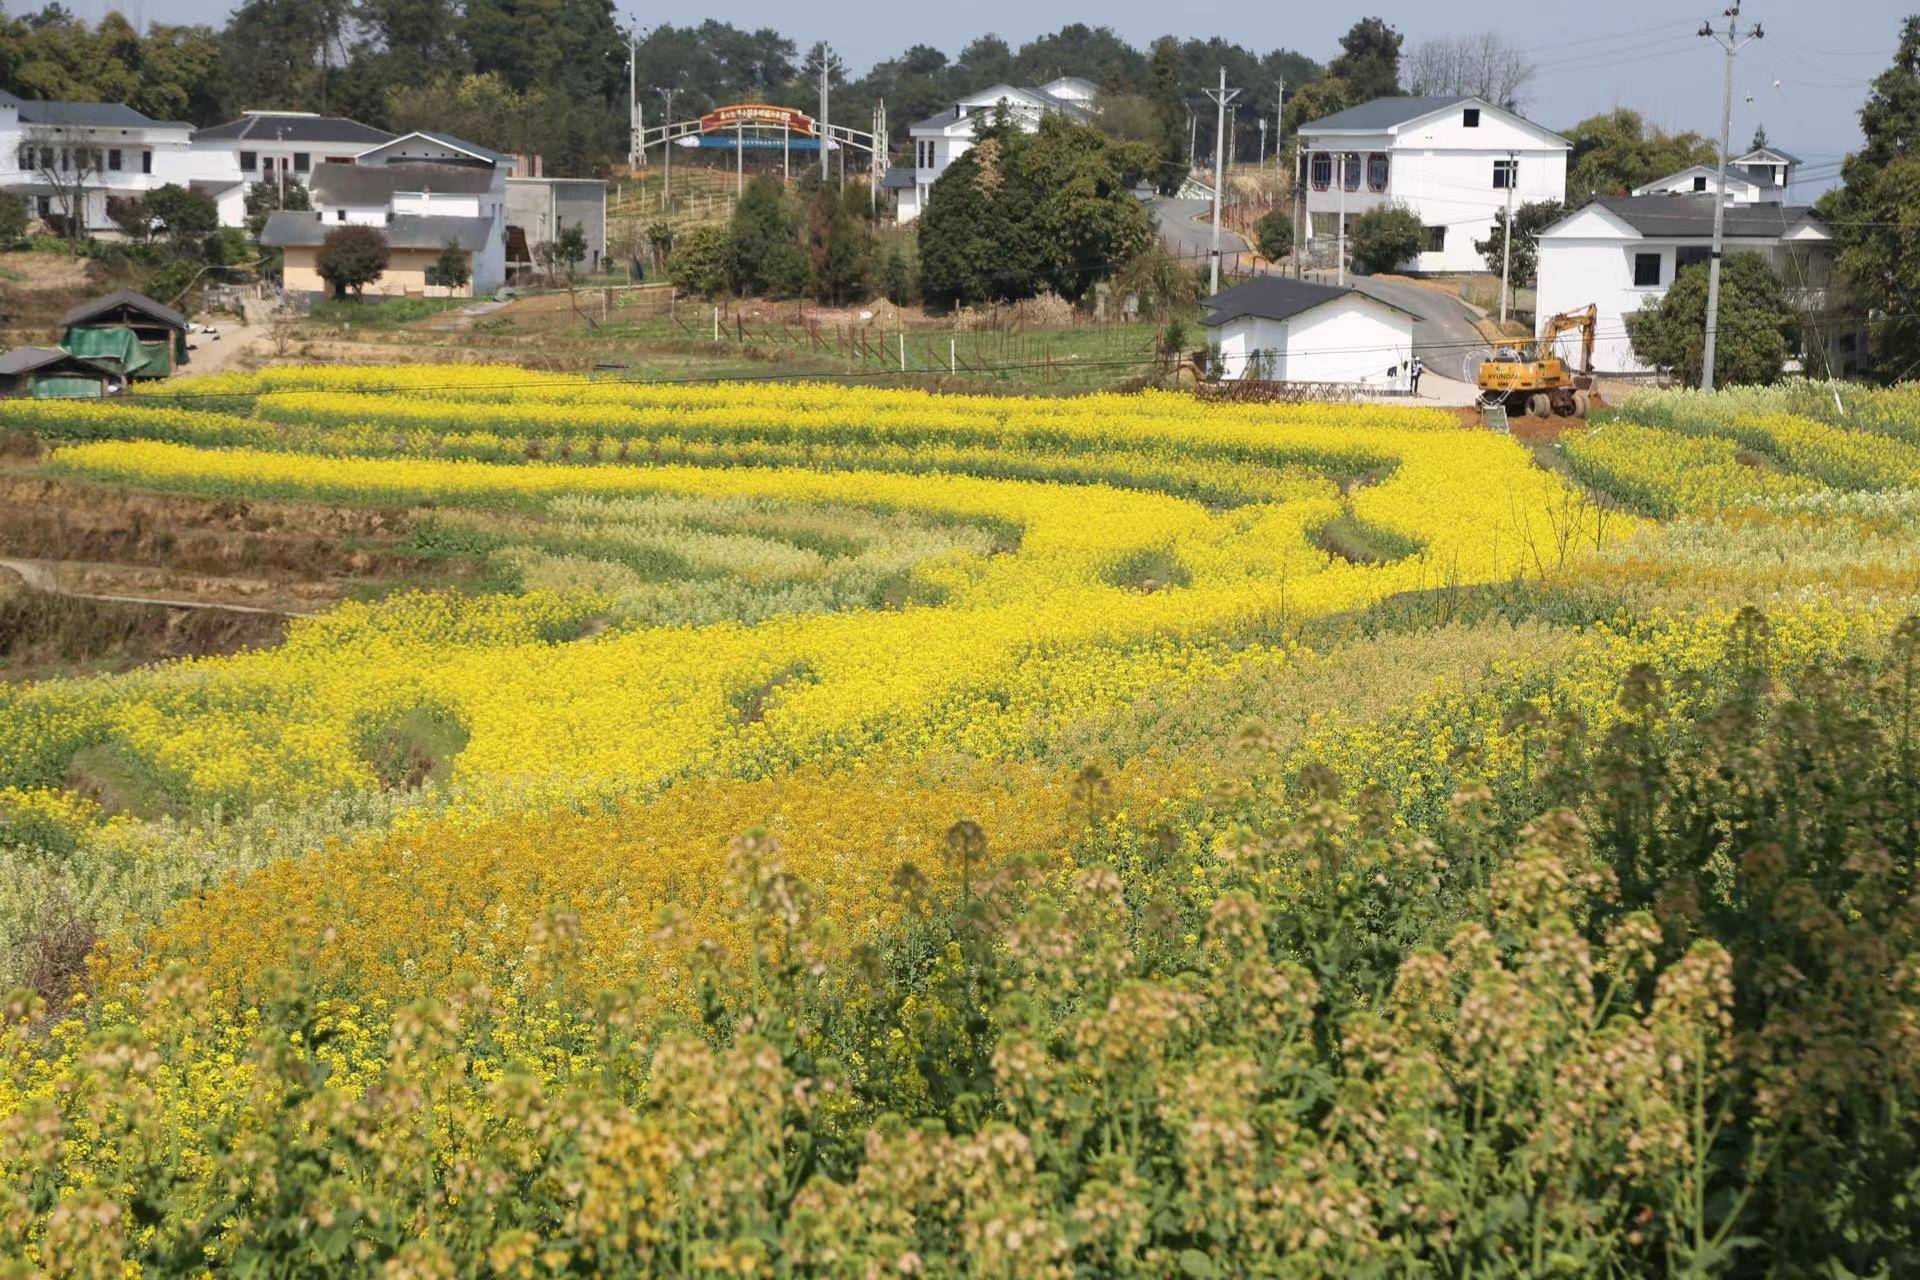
x=1531, y=378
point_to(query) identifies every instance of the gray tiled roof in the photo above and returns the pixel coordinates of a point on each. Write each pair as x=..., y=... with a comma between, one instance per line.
x=95, y=115
x=375, y=184
x=459, y=144
x=271, y=127
x=124, y=298
x=898, y=178
x=291, y=229
x=1278, y=298
x=26, y=359
x=1692, y=215
x=1381, y=113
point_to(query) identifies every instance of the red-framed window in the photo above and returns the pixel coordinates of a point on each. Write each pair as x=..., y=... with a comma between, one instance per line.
x=1322, y=171
x=1377, y=171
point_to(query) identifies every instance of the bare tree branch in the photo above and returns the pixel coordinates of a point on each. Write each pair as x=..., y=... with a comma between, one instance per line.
x=1486, y=65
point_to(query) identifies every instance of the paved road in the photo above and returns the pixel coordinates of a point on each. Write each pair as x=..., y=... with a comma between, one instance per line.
x=1444, y=337
x=1187, y=227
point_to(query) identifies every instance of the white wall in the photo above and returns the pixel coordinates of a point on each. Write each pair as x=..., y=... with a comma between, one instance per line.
x=1443, y=171
x=171, y=161
x=1352, y=339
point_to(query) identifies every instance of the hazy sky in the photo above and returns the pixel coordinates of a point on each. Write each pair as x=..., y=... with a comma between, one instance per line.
x=1804, y=81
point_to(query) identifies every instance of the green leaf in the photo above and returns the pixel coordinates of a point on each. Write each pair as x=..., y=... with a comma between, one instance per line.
x=1196, y=1264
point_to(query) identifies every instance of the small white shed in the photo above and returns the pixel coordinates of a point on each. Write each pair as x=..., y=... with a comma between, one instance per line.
x=1284, y=330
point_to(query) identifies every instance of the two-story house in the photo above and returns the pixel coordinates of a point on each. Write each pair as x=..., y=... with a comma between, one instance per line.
x=940, y=140
x=1454, y=161
x=1759, y=177
x=272, y=146
x=69, y=159
x=1621, y=253
x=426, y=192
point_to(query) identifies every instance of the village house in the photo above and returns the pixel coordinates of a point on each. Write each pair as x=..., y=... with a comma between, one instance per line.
x=1454, y=161
x=940, y=140
x=280, y=147
x=1761, y=176
x=1278, y=329
x=72, y=159
x=1621, y=253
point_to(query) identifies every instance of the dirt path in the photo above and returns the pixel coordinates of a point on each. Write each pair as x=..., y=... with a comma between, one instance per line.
x=237, y=341
x=41, y=576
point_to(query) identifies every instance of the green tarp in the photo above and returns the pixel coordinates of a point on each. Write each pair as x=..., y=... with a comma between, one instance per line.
x=132, y=356
x=66, y=386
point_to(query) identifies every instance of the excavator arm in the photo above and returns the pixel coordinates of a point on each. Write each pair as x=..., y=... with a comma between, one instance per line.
x=1584, y=321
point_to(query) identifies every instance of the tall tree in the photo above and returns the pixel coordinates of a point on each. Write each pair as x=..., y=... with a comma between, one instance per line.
x=1876, y=213
x=1614, y=153
x=1486, y=65
x=1369, y=60
x=1169, y=113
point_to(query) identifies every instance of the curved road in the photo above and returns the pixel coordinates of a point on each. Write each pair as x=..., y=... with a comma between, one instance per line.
x=1444, y=337
x=1187, y=228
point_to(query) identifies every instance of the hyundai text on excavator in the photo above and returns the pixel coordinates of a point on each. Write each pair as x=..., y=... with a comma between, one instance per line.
x=1531, y=378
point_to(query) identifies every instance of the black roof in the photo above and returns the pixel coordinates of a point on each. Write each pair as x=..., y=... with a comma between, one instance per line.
x=27, y=359
x=898, y=178
x=91, y=115
x=1278, y=298
x=140, y=302
x=375, y=184
x=1692, y=215
x=270, y=126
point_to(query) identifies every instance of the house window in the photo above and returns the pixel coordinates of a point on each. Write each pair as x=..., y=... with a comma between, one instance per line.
x=46, y=159
x=302, y=161
x=339, y=215
x=1699, y=184
x=26, y=158
x=1470, y=118
x=1350, y=171
x=113, y=159
x=146, y=162
x=1646, y=270
x=1690, y=255
x=1436, y=239
x=249, y=162
x=1377, y=172
x=1506, y=174
x=1322, y=171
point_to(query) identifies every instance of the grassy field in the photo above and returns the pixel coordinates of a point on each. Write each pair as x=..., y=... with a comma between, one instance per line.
x=826, y=830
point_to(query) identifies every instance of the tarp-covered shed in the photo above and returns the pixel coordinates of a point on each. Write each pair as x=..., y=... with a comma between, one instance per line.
x=140, y=337
x=48, y=373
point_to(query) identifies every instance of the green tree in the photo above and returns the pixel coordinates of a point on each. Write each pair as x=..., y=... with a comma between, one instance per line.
x=449, y=271
x=1169, y=113
x=1316, y=101
x=1614, y=153
x=1369, y=60
x=836, y=248
x=763, y=250
x=899, y=282
x=1876, y=212
x=131, y=217
x=1752, y=343
x=1529, y=220
x=186, y=217
x=562, y=255
x=1385, y=236
x=351, y=258
x=1020, y=214
x=264, y=199
x=1274, y=234
x=13, y=218
x=701, y=261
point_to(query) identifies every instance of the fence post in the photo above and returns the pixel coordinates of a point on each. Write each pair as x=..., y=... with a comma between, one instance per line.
x=716, y=323
x=903, y=351
x=953, y=356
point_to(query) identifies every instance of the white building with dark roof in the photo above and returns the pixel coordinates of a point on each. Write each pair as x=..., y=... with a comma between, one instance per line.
x=1759, y=177
x=272, y=146
x=73, y=158
x=1278, y=329
x=1621, y=253
x=940, y=140
x=1454, y=161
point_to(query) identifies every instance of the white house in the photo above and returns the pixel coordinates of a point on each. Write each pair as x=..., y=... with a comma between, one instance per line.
x=426, y=192
x=59, y=154
x=1453, y=161
x=940, y=140
x=537, y=209
x=1285, y=330
x=1759, y=177
x=1622, y=252
x=272, y=146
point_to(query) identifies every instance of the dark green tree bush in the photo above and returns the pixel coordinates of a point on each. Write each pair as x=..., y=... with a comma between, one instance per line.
x=1755, y=324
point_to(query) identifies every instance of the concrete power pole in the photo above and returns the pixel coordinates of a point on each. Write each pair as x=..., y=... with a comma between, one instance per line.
x=1733, y=44
x=1506, y=250
x=826, y=59
x=666, y=154
x=1221, y=98
x=1279, y=107
x=1340, y=243
x=633, y=109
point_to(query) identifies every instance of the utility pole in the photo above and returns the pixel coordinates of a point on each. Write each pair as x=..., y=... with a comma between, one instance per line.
x=826, y=59
x=1733, y=44
x=1279, y=106
x=666, y=152
x=1340, y=244
x=1506, y=250
x=739, y=160
x=633, y=108
x=1262, y=163
x=1221, y=98
x=1299, y=217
